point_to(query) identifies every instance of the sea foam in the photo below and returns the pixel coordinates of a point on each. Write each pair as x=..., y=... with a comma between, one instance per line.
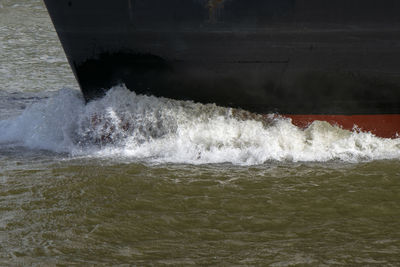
x=126, y=125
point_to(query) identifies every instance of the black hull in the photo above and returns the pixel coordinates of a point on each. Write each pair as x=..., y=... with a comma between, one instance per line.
x=284, y=56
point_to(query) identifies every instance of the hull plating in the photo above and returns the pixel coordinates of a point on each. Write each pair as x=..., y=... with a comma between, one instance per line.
x=284, y=56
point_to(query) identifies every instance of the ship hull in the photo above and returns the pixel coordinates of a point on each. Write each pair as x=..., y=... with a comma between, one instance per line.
x=302, y=59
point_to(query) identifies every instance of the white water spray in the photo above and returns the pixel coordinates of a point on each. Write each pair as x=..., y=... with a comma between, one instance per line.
x=123, y=124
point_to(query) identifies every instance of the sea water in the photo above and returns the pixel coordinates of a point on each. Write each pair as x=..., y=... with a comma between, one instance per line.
x=139, y=180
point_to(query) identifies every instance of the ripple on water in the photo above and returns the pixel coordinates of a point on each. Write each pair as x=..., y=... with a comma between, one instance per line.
x=94, y=211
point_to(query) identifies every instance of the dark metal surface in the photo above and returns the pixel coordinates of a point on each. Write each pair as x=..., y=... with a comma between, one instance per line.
x=286, y=56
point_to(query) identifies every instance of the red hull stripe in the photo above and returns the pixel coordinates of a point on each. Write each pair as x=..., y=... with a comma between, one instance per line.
x=387, y=126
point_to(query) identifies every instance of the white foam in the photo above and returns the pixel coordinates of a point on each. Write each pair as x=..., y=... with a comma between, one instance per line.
x=123, y=124
x=49, y=124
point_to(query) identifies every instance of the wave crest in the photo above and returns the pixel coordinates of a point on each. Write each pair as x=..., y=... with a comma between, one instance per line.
x=123, y=124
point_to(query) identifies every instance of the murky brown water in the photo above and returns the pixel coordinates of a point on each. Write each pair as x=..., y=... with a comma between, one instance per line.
x=189, y=185
x=93, y=211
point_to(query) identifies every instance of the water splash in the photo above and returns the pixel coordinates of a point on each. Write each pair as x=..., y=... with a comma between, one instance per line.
x=123, y=124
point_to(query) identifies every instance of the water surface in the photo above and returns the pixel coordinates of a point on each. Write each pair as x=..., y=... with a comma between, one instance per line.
x=131, y=179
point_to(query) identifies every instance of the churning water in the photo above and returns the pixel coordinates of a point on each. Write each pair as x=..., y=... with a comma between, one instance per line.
x=139, y=180
x=145, y=128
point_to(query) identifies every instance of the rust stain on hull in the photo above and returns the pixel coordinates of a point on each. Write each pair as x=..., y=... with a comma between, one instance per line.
x=382, y=125
x=214, y=6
